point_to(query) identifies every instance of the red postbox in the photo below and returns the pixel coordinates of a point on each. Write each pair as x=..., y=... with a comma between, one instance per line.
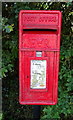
x=39, y=48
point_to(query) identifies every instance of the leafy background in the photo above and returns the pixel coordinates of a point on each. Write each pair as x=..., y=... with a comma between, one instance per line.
x=12, y=110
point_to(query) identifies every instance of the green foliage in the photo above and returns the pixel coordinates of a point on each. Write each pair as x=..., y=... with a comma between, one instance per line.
x=0, y=116
x=63, y=110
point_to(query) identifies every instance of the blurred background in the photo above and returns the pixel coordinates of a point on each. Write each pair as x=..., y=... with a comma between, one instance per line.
x=12, y=110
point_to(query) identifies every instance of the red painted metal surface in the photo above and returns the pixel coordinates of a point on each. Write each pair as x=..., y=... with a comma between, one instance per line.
x=39, y=30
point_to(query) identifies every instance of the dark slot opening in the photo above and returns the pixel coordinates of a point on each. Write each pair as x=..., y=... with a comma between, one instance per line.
x=39, y=29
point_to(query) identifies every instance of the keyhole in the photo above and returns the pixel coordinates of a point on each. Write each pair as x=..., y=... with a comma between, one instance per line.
x=27, y=76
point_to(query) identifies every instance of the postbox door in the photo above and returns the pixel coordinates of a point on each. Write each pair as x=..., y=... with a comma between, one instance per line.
x=31, y=94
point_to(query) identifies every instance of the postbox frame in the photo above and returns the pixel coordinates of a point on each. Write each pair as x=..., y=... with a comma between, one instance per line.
x=21, y=51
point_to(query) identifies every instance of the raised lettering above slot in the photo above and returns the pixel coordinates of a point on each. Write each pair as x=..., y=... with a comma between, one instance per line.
x=40, y=19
